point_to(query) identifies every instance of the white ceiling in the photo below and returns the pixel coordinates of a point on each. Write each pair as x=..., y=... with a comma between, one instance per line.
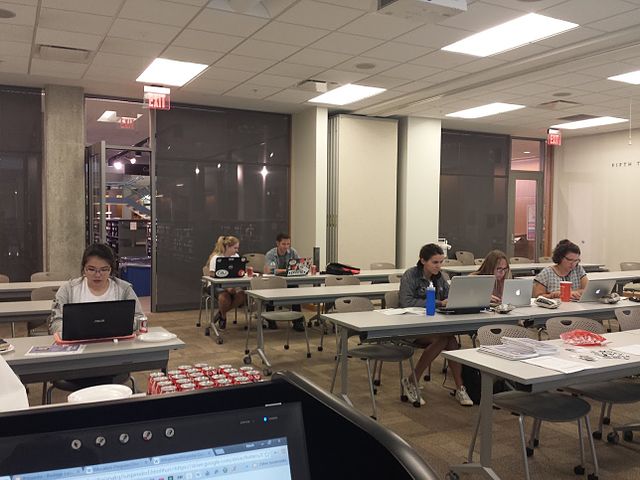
x=257, y=62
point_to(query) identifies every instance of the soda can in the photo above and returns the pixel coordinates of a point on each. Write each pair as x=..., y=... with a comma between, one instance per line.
x=181, y=381
x=204, y=384
x=314, y=269
x=201, y=366
x=246, y=369
x=186, y=387
x=223, y=382
x=200, y=378
x=192, y=372
x=185, y=367
x=241, y=380
x=153, y=377
x=168, y=389
x=233, y=375
x=171, y=373
x=255, y=374
x=249, y=271
x=159, y=386
x=143, y=326
x=224, y=368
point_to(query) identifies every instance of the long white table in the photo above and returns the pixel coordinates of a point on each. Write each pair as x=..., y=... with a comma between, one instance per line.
x=516, y=268
x=24, y=311
x=97, y=359
x=305, y=280
x=15, y=290
x=317, y=295
x=376, y=325
x=535, y=379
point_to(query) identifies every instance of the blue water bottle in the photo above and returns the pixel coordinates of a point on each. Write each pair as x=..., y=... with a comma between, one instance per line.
x=431, y=300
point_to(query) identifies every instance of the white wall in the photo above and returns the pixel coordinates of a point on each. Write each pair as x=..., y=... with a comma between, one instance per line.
x=309, y=182
x=596, y=180
x=418, y=187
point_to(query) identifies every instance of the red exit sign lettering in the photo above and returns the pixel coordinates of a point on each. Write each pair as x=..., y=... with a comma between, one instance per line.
x=554, y=137
x=157, y=98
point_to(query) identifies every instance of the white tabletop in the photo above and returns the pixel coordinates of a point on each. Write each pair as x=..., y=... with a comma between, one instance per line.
x=619, y=276
x=24, y=289
x=515, y=267
x=322, y=293
x=364, y=276
x=22, y=311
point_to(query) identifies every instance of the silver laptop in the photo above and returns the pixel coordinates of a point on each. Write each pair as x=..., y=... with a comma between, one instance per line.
x=517, y=292
x=469, y=294
x=596, y=289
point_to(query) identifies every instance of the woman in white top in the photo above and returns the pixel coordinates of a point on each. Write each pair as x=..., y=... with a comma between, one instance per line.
x=97, y=284
x=228, y=298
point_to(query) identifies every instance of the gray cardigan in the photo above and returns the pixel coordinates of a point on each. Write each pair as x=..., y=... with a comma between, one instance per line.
x=70, y=293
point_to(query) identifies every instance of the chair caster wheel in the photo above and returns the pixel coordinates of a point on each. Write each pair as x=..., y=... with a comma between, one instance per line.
x=444, y=369
x=427, y=378
x=613, y=437
x=592, y=476
x=536, y=442
x=246, y=328
x=376, y=383
x=578, y=470
x=247, y=360
x=308, y=354
x=374, y=417
x=219, y=340
x=452, y=476
x=320, y=349
x=597, y=435
x=286, y=347
x=529, y=452
x=246, y=352
x=627, y=435
x=235, y=322
x=404, y=398
x=198, y=324
x=416, y=404
x=606, y=421
x=267, y=372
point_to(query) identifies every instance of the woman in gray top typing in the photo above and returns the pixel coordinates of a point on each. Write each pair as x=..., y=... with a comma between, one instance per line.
x=566, y=268
x=413, y=290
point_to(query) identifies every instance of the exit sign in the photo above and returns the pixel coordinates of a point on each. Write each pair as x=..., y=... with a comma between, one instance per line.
x=554, y=137
x=157, y=98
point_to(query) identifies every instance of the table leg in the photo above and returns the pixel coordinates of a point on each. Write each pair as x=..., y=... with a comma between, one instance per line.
x=486, y=434
x=344, y=362
x=212, y=323
x=260, y=345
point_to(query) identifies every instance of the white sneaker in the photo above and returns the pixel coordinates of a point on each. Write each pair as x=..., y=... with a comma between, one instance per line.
x=410, y=390
x=463, y=397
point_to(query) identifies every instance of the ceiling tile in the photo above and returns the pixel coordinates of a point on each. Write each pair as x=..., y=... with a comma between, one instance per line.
x=320, y=58
x=380, y=26
x=314, y=14
x=480, y=65
x=247, y=64
x=378, y=65
x=209, y=85
x=248, y=90
x=44, y=36
x=158, y=11
x=219, y=73
x=414, y=86
x=57, y=69
x=33, y=3
x=198, y=39
x=617, y=22
x=127, y=47
x=383, y=81
x=442, y=59
x=111, y=73
x=263, y=49
x=605, y=70
x=74, y=22
x=445, y=76
x=396, y=51
x=480, y=16
x=346, y=43
x=294, y=70
x=14, y=64
x=584, y=11
x=568, y=80
x=16, y=33
x=217, y=21
x=434, y=36
x=254, y=8
x=97, y=7
x=148, y=32
x=293, y=96
x=525, y=6
x=410, y=71
x=273, y=80
x=124, y=61
x=341, y=76
x=531, y=89
x=522, y=52
x=366, y=5
x=290, y=34
x=25, y=14
x=197, y=3
x=572, y=36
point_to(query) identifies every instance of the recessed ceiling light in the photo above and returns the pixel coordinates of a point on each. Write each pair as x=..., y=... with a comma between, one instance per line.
x=170, y=72
x=485, y=110
x=347, y=94
x=526, y=152
x=632, y=77
x=590, y=122
x=512, y=34
x=365, y=66
x=562, y=94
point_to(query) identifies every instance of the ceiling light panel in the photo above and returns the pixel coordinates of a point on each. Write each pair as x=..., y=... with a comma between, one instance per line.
x=509, y=35
x=591, y=122
x=486, y=110
x=170, y=72
x=347, y=94
x=631, y=77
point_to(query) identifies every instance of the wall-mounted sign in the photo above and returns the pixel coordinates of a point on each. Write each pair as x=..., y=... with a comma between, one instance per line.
x=554, y=137
x=157, y=98
x=127, y=122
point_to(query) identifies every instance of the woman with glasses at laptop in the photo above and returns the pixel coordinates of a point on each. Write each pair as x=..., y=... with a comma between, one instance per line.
x=413, y=290
x=228, y=298
x=496, y=264
x=97, y=283
x=566, y=268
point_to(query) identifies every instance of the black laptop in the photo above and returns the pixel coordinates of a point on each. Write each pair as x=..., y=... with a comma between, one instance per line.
x=98, y=320
x=230, y=267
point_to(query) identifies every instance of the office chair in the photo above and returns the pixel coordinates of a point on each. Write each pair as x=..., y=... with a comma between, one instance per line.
x=465, y=257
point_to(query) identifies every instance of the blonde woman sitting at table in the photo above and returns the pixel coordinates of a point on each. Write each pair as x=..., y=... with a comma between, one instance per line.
x=228, y=298
x=496, y=264
x=566, y=268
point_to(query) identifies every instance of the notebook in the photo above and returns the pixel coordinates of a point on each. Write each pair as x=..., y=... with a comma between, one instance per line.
x=230, y=267
x=517, y=292
x=97, y=320
x=596, y=289
x=469, y=294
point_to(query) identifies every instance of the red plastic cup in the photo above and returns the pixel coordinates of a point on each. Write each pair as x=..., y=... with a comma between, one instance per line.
x=249, y=271
x=314, y=269
x=565, y=291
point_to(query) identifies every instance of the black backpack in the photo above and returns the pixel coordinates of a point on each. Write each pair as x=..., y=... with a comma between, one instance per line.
x=471, y=381
x=335, y=268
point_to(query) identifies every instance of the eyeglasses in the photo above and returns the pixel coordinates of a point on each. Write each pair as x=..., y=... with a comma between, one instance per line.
x=94, y=270
x=572, y=260
x=502, y=269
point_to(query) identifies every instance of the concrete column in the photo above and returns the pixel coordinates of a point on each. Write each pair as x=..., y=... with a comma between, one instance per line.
x=63, y=179
x=309, y=182
x=418, y=187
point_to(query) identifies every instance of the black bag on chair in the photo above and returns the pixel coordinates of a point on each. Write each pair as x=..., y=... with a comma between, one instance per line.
x=472, y=382
x=335, y=268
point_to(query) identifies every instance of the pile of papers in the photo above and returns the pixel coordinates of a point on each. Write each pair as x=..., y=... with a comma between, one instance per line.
x=402, y=311
x=519, y=348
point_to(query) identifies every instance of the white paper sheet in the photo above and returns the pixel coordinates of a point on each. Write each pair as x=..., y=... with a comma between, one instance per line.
x=402, y=311
x=557, y=364
x=632, y=349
